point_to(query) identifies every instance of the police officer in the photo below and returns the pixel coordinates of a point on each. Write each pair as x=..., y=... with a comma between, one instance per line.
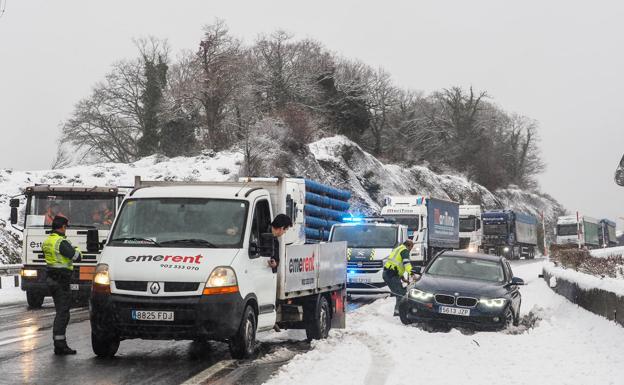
x=397, y=265
x=60, y=255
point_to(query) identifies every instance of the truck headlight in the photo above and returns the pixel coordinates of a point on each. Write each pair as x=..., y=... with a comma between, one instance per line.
x=28, y=273
x=493, y=302
x=420, y=295
x=101, y=279
x=472, y=249
x=506, y=249
x=222, y=280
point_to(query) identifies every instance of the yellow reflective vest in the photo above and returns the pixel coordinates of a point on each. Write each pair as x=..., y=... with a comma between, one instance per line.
x=52, y=253
x=397, y=262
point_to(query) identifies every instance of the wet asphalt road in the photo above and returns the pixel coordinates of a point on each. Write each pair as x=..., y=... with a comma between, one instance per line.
x=26, y=354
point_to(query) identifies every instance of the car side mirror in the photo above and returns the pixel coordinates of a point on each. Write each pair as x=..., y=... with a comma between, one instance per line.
x=93, y=241
x=13, y=215
x=14, y=203
x=516, y=281
x=417, y=269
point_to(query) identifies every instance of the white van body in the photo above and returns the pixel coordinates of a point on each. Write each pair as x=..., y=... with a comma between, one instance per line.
x=470, y=228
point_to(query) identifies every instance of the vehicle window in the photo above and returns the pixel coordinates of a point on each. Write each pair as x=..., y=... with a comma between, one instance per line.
x=468, y=224
x=509, y=271
x=412, y=223
x=261, y=222
x=366, y=236
x=564, y=230
x=470, y=268
x=181, y=222
x=81, y=210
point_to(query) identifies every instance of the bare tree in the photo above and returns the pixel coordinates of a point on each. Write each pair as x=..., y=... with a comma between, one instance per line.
x=382, y=99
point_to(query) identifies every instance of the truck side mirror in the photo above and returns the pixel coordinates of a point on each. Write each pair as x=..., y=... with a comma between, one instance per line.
x=13, y=215
x=14, y=203
x=93, y=241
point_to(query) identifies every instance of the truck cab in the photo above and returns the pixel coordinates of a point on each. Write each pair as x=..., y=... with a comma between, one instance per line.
x=578, y=229
x=470, y=229
x=90, y=210
x=190, y=261
x=370, y=242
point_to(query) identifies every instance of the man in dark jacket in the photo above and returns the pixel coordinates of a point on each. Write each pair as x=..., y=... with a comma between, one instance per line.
x=281, y=223
x=60, y=256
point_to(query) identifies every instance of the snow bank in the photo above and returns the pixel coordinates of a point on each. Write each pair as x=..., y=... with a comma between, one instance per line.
x=9, y=293
x=586, y=281
x=568, y=345
x=608, y=252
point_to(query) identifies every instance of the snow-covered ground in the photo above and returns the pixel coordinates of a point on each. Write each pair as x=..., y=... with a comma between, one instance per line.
x=10, y=294
x=567, y=345
x=608, y=252
x=587, y=281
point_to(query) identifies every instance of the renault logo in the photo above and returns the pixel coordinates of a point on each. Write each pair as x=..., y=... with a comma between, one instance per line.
x=360, y=264
x=154, y=287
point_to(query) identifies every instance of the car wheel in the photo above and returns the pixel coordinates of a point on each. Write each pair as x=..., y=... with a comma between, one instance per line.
x=509, y=317
x=243, y=343
x=105, y=347
x=516, y=321
x=403, y=315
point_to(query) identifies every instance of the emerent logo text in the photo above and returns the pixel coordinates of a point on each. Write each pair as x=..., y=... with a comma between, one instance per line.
x=165, y=258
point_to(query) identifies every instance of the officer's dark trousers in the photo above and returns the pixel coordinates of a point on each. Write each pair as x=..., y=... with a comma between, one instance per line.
x=58, y=282
x=393, y=280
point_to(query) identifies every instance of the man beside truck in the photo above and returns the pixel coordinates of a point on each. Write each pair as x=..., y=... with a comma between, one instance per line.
x=281, y=223
x=394, y=271
x=60, y=255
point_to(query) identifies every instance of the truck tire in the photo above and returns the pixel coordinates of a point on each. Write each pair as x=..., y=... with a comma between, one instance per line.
x=243, y=343
x=34, y=300
x=317, y=326
x=104, y=347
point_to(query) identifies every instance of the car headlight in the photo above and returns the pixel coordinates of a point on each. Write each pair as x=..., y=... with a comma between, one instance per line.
x=222, y=280
x=493, y=302
x=101, y=275
x=420, y=295
x=27, y=273
x=506, y=249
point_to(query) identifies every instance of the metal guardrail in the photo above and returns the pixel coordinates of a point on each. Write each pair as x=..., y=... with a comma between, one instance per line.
x=11, y=270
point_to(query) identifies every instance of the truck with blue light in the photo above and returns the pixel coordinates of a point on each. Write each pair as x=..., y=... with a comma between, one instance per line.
x=369, y=244
x=433, y=224
x=509, y=233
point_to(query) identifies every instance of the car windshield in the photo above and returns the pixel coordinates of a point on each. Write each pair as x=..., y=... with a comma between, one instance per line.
x=181, y=222
x=366, y=236
x=80, y=210
x=467, y=225
x=412, y=223
x=494, y=229
x=466, y=267
x=564, y=230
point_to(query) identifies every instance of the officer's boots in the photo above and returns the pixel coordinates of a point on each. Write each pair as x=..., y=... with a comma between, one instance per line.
x=61, y=348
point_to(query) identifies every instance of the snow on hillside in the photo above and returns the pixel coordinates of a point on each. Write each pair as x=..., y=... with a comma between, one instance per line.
x=335, y=160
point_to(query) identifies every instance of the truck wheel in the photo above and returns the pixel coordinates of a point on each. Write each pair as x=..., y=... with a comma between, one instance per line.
x=104, y=347
x=243, y=343
x=317, y=327
x=34, y=300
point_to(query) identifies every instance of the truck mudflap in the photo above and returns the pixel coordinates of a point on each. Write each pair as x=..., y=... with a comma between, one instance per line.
x=339, y=314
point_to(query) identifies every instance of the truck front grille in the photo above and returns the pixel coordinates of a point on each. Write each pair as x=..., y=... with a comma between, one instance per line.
x=181, y=286
x=131, y=285
x=170, y=287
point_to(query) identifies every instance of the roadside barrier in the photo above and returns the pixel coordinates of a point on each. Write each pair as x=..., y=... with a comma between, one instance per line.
x=9, y=271
x=597, y=301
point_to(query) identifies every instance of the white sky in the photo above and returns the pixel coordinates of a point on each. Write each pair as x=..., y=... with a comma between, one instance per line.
x=560, y=62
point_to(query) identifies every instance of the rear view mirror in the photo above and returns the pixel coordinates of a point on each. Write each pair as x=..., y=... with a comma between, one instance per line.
x=14, y=203
x=93, y=241
x=13, y=215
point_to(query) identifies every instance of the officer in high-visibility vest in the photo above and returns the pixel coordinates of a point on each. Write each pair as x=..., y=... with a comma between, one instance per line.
x=394, y=270
x=60, y=256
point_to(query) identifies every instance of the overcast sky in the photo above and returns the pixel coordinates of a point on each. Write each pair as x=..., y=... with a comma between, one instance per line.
x=560, y=62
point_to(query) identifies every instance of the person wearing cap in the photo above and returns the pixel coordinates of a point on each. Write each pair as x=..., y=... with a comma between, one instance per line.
x=60, y=256
x=281, y=223
x=395, y=270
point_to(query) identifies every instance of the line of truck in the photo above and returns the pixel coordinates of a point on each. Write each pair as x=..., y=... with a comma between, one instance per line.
x=585, y=232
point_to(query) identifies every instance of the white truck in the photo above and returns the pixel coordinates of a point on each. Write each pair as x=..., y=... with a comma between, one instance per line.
x=433, y=224
x=369, y=243
x=470, y=228
x=190, y=261
x=578, y=229
x=90, y=210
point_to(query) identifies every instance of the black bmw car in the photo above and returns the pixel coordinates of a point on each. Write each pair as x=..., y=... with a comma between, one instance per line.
x=464, y=289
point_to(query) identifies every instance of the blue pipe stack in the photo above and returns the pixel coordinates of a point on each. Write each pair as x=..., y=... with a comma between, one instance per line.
x=325, y=206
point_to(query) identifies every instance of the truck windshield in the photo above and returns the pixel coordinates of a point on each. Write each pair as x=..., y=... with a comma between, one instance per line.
x=412, y=223
x=181, y=222
x=81, y=210
x=467, y=225
x=470, y=268
x=366, y=236
x=565, y=230
x=494, y=229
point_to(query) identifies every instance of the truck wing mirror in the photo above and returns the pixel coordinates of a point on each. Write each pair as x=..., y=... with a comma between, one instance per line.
x=93, y=241
x=14, y=203
x=13, y=215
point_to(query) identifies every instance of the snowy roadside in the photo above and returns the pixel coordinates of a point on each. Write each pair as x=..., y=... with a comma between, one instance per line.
x=9, y=294
x=586, y=281
x=608, y=252
x=568, y=345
